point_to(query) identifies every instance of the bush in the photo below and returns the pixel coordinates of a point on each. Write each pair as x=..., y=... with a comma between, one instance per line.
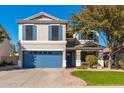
x=121, y=63
x=106, y=63
x=3, y=63
x=9, y=63
x=82, y=67
x=91, y=60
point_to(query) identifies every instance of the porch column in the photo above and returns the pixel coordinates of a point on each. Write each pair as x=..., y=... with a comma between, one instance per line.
x=78, y=57
x=100, y=54
x=64, y=59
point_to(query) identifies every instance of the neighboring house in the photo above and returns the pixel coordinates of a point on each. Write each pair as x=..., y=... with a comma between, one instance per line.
x=5, y=48
x=43, y=43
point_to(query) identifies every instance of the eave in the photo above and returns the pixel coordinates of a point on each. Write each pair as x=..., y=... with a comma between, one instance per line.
x=40, y=22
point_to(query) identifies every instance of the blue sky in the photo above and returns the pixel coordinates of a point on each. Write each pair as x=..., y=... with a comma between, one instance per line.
x=9, y=15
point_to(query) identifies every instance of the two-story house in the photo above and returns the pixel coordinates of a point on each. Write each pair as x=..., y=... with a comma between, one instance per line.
x=43, y=43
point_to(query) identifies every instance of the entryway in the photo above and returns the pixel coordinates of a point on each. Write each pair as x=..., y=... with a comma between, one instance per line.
x=70, y=58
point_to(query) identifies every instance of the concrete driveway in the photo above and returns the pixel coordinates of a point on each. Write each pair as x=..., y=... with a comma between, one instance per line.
x=36, y=78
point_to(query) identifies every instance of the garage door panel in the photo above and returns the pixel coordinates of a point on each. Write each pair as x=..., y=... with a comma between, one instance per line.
x=43, y=59
x=30, y=59
x=51, y=61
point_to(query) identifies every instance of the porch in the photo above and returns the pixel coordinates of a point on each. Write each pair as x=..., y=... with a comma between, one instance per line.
x=77, y=52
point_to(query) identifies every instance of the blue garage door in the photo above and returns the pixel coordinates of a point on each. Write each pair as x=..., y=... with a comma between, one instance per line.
x=42, y=59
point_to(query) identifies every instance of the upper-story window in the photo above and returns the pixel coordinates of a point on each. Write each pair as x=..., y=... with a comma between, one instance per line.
x=29, y=32
x=55, y=32
x=91, y=36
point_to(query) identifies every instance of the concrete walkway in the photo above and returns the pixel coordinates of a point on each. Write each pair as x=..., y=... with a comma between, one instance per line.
x=39, y=78
x=71, y=81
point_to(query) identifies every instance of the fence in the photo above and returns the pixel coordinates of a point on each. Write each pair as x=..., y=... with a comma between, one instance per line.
x=9, y=59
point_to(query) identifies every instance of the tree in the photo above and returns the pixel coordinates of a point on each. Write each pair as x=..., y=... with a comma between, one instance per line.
x=109, y=19
x=3, y=34
x=13, y=50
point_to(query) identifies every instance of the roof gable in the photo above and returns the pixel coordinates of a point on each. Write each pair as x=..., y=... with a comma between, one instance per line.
x=74, y=44
x=90, y=44
x=43, y=16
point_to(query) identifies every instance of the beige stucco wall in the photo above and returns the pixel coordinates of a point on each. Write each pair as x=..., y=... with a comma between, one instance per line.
x=42, y=42
x=44, y=45
x=5, y=48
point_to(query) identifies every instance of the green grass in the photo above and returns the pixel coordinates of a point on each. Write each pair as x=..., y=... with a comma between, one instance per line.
x=103, y=78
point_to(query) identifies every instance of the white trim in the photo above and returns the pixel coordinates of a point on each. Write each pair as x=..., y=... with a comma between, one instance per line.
x=64, y=63
x=43, y=42
x=42, y=49
x=33, y=29
x=78, y=63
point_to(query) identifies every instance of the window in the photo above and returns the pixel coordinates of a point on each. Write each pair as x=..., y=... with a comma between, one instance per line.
x=55, y=32
x=91, y=36
x=80, y=36
x=29, y=32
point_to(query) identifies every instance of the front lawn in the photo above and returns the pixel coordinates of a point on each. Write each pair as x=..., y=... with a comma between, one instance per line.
x=101, y=77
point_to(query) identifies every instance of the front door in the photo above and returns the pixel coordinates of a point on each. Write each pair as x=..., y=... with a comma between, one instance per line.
x=69, y=59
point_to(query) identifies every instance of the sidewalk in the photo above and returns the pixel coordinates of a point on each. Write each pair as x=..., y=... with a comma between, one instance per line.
x=104, y=69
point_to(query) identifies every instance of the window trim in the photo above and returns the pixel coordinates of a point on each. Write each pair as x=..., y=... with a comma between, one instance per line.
x=56, y=32
x=50, y=37
x=33, y=32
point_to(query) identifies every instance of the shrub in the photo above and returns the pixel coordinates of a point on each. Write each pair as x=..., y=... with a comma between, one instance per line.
x=106, y=62
x=82, y=67
x=91, y=60
x=3, y=63
x=9, y=63
x=121, y=63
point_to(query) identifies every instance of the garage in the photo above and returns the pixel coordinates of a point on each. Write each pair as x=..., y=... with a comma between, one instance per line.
x=42, y=59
